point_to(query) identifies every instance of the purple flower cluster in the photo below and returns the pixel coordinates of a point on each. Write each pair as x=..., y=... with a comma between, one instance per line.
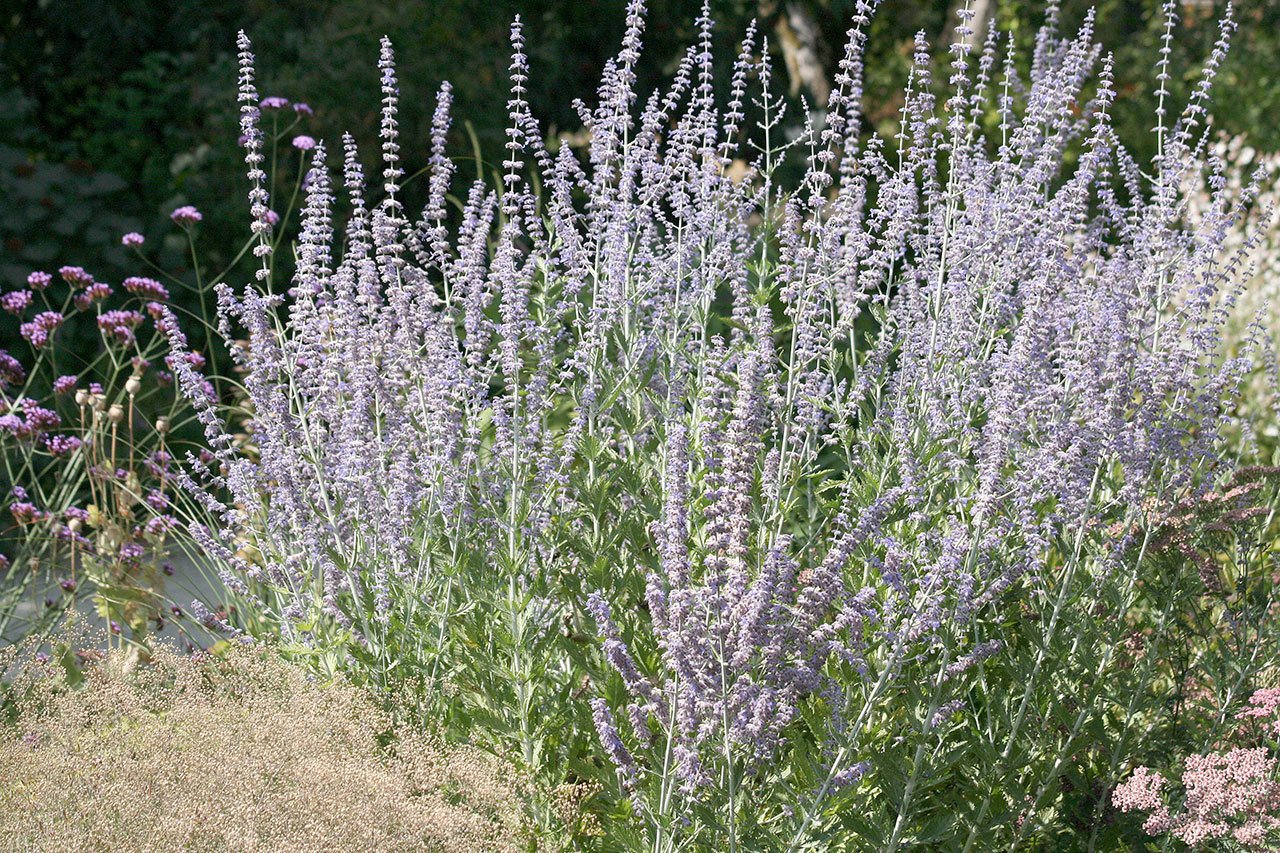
x=38, y=331
x=94, y=292
x=11, y=370
x=16, y=301
x=74, y=276
x=147, y=288
x=120, y=325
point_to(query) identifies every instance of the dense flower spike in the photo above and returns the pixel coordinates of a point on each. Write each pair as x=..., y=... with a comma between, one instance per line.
x=252, y=140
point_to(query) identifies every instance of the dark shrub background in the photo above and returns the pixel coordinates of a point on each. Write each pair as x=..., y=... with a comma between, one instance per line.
x=112, y=112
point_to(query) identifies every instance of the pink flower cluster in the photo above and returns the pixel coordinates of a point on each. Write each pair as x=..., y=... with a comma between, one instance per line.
x=1265, y=704
x=1231, y=795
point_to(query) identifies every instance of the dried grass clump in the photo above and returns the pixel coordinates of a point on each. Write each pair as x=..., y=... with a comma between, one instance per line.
x=240, y=752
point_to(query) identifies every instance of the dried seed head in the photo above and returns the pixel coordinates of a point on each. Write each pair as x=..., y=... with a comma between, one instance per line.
x=116, y=413
x=133, y=386
x=83, y=397
x=162, y=426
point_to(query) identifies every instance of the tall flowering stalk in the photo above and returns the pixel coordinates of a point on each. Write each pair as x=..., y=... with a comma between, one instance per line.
x=835, y=470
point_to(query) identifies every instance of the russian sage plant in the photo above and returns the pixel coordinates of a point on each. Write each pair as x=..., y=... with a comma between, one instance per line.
x=797, y=485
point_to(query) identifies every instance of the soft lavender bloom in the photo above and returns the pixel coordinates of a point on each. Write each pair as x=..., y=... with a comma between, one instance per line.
x=273, y=102
x=132, y=240
x=304, y=143
x=612, y=743
x=186, y=215
x=850, y=775
x=16, y=302
x=39, y=280
x=208, y=618
x=65, y=384
x=252, y=136
x=193, y=358
x=303, y=109
x=945, y=712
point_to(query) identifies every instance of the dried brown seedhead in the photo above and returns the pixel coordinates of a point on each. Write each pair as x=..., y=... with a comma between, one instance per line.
x=237, y=752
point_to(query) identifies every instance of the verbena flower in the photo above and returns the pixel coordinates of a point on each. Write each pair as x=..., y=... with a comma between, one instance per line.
x=186, y=215
x=120, y=325
x=16, y=302
x=147, y=288
x=37, y=332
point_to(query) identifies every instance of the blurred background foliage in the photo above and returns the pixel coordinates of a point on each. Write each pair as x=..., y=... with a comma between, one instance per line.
x=112, y=112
